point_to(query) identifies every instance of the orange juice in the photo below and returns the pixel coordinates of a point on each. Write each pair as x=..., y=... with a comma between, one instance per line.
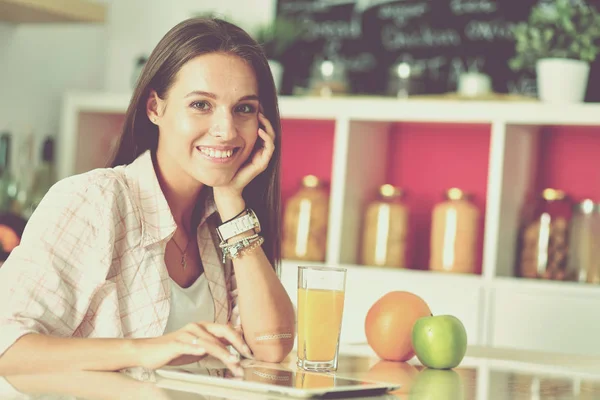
x=319, y=323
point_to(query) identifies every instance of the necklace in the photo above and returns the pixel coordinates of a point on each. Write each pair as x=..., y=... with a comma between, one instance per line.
x=183, y=252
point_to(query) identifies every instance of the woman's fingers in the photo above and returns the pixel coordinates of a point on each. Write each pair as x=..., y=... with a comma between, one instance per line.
x=201, y=337
x=232, y=336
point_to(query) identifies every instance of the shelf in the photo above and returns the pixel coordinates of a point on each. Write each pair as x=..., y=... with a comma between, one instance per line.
x=537, y=157
x=383, y=109
x=544, y=316
x=44, y=11
x=424, y=160
x=543, y=287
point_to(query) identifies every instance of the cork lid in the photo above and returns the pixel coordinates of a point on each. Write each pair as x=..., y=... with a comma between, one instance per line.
x=550, y=194
x=457, y=194
x=311, y=181
x=388, y=191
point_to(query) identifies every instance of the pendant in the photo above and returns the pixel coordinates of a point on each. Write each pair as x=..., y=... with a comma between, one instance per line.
x=183, y=262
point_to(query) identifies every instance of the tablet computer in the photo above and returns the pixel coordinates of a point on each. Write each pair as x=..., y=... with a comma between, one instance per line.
x=272, y=381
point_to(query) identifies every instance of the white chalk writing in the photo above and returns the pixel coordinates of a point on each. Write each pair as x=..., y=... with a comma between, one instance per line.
x=332, y=29
x=401, y=13
x=394, y=39
x=489, y=30
x=460, y=7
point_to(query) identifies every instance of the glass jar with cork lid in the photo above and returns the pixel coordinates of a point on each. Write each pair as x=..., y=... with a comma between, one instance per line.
x=305, y=222
x=385, y=230
x=454, y=233
x=543, y=245
x=583, y=261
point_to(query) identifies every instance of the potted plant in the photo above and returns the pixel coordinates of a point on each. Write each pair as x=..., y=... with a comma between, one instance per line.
x=558, y=42
x=276, y=38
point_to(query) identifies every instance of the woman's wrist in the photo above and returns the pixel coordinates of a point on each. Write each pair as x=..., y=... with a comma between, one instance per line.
x=228, y=205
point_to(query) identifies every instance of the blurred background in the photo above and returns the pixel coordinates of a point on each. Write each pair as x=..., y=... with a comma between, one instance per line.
x=448, y=148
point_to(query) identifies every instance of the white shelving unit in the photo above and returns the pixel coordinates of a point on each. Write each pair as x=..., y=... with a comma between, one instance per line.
x=496, y=308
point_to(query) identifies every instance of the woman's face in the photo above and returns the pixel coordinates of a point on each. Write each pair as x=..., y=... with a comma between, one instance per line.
x=208, y=122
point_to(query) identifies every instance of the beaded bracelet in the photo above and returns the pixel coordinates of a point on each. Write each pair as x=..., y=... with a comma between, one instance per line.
x=243, y=246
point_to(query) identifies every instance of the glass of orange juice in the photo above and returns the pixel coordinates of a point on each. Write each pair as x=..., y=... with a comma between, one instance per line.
x=320, y=308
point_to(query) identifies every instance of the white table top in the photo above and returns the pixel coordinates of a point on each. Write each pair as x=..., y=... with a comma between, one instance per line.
x=484, y=374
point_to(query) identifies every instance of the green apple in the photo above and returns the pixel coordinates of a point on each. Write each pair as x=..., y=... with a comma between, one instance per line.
x=439, y=341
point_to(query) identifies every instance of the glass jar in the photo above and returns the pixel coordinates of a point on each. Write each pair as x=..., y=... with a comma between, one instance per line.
x=328, y=78
x=305, y=222
x=385, y=230
x=544, y=238
x=454, y=231
x=583, y=261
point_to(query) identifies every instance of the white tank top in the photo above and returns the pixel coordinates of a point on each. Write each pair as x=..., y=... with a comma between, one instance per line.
x=191, y=304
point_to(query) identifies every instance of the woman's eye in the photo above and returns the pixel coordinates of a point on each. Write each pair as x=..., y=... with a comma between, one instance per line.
x=246, y=109
x=201, y=105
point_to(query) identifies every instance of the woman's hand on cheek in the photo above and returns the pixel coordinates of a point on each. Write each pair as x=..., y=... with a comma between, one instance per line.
x=256, y=163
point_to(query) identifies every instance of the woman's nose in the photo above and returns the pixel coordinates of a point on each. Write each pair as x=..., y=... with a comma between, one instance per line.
x=222, y=125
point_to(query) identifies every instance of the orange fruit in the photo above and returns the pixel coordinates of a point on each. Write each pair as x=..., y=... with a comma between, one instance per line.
x=389, y=324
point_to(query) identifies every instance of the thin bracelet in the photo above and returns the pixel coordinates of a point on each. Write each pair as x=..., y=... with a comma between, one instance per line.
x=239, y=214
x=226, y=244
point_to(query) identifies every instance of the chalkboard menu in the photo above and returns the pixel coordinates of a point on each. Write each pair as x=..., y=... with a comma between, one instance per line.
x=442, y=38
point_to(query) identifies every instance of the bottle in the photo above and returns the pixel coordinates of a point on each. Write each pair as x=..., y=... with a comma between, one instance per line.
x=305, y=222
x=8, y=185
x=544, y=237
x=43, y=178
x=454, y=234
x=583, y=260
x=385, y=230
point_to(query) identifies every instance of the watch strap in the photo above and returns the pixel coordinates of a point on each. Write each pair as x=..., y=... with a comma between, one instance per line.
x=238, y=225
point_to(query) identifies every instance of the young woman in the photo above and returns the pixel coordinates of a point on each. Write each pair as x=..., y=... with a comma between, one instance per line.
x=170, y=254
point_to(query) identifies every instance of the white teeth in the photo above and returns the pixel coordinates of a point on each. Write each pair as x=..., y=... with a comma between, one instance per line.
x=216, y=153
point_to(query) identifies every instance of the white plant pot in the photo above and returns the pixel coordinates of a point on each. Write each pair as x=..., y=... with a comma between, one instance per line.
x=277, y=71
x=562, y=80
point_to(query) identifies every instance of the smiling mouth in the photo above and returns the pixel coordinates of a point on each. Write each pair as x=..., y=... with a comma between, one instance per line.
x=218, y=154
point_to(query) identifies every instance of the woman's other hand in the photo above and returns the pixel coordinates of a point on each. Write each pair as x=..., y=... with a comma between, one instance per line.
x=190, y=344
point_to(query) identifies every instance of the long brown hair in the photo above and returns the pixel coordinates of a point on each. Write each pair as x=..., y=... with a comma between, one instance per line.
x=185, y=41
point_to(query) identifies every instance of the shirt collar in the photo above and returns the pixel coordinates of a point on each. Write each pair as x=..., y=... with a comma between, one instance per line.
x=157, y=220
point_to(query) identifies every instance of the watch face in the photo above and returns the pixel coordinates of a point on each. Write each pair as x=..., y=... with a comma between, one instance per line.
x=255, y=220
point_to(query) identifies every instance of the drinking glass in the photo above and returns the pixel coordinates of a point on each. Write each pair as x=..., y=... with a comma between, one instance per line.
x=321, y=293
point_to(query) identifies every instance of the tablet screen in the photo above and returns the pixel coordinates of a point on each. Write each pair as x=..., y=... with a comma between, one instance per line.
x=278, y=377
x=271, y=379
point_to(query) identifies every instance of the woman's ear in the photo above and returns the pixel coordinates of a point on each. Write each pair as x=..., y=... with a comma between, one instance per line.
x=152, y=107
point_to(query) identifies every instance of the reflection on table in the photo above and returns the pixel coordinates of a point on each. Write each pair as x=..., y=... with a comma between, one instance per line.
x=483, y=375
